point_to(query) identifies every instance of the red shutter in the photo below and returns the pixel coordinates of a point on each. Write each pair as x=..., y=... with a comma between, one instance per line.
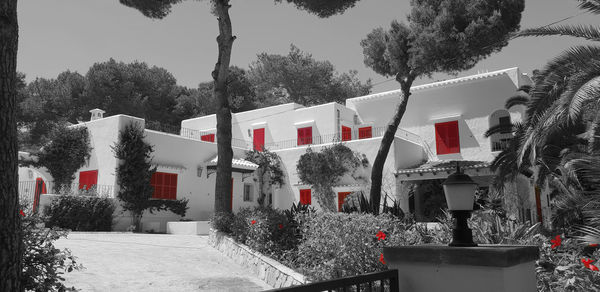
x=259, y=139
x=365, y=132
x=346, y=133
x=208, y=138
x=165, y=185
x=305, y=198
x=304, y=136
x=341, y=197
x=447, y=138
x=88, y=179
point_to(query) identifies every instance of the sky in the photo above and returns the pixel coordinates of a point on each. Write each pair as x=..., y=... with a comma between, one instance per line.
x=59, y=35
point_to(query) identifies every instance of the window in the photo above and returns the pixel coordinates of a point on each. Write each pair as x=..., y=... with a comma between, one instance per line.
x=341, y=197
x=88, y=179
x=346, y=133
x=305, y=197
x=247, y=192
x=304, y=136
x=165, y=185
x=504, y=121
x=208, y=138
x=365, y=132
x=447, y=140
x=259, y=139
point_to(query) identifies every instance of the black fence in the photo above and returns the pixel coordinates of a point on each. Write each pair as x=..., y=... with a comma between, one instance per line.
x=379, y=281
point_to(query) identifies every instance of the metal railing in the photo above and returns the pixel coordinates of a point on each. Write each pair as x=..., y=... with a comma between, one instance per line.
x=378, y=281
x=314, y=140
x=107, y=191
x=500, y=145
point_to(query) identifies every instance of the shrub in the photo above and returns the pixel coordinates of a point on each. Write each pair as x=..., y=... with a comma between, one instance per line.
x=43, y=264
x=222, y=221
x=80, y=213
x=338, y=245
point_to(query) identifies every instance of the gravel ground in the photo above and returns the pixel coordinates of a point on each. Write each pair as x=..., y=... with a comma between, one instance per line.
x=153, y=262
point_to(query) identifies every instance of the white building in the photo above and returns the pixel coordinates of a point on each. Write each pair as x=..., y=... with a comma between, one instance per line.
x=444, y=121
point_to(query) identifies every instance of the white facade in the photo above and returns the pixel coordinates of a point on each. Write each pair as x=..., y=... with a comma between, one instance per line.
x=474, y=102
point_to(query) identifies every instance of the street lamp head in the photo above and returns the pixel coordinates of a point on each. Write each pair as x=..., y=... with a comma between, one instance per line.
x=459, y=189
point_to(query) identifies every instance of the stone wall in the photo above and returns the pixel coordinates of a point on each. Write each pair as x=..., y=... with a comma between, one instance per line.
x=267, y=269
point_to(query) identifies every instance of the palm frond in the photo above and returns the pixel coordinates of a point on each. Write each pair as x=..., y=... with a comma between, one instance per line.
x=521, y=98
x=499, y=129
x=590, y=235
x=592, y=6
x=588, y=32
x=588, y=91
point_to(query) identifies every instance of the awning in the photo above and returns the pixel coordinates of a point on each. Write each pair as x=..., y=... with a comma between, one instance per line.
x=237, y=165
x=448, y=167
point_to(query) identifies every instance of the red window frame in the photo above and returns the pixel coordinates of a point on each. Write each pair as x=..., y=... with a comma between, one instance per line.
x=165, y=185
x=305, y=197
x=304, y=136
x=346, y=133
x=341, y=197
x=365, y=132
x=208, y=138
x=88, y=179
x=259, y=139
x=447, y=138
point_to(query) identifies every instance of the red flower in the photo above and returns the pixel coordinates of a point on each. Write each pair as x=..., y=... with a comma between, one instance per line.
x=556, y=242
x=22, y=213
x=588, y=264
x=380, y=235
x=381, y=259
x=253, y=222
x=280, y=226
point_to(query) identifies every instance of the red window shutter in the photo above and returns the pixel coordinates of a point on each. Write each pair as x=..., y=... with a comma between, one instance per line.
x=447, y=139
x=165, y=185
x=208, y=138
x=88, y=179
x=346, y=133
x=305, y=197
x=365, y=132
x=341, y=197
x=259, y=139
x=305, y=136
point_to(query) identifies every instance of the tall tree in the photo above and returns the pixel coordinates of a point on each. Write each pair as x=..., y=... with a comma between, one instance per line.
x=441, y=36
x=298, y=77
x=10, y=223
x=220, y=8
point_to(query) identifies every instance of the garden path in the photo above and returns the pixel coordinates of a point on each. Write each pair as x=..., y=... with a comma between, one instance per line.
x=153, y=262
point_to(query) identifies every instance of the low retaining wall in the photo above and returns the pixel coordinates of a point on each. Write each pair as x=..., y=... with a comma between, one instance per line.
x=261, y=266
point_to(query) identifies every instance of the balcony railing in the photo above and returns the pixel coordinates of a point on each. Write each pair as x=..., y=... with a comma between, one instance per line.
x=379, y=281
x=314, y=140
x=500, y=145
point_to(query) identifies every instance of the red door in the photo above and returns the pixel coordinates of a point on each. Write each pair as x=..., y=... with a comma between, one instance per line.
x=231, y=198
x=40, y=188
x=346, y=133
x=341, y=197
x=304, y=136
x=259, y=139
x=88, y=179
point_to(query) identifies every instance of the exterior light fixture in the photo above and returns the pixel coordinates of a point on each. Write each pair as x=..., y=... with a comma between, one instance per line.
x=460, y=189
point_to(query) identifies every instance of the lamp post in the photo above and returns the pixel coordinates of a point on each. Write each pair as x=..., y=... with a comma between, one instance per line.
x=460, y=189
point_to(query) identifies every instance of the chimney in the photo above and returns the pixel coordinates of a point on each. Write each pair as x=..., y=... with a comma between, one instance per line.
x=96, y=114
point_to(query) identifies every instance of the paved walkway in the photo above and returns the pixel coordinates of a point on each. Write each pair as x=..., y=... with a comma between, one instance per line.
x=153, y=262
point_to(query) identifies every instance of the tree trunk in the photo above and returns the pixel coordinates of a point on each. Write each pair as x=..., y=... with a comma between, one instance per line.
x=386, y=143
x=224, y=151
x=11, y=248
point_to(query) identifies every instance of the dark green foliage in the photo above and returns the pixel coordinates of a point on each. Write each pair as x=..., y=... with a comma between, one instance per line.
x=222, y=221
x=321, y=8
x=358, y=203
x=134, y=174
x=299, y=78
x=324, y=169
x=67, y=152
x=269, y=171
x=43, y=263
x=80, y=213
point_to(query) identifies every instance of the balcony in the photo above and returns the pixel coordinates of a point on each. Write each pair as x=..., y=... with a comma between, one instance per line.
x=501, y=145
x=314, y=140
